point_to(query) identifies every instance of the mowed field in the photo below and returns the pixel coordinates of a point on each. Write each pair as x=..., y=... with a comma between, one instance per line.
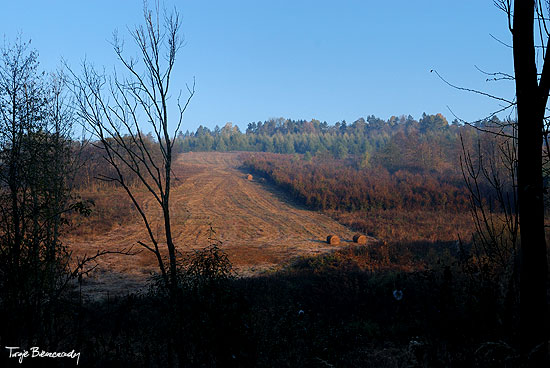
x=259, y=227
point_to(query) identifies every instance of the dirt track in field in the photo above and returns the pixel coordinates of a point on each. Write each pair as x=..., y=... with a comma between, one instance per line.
x=259, y=227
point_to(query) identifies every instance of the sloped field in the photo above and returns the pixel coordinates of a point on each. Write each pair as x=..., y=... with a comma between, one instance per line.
x=257, y=224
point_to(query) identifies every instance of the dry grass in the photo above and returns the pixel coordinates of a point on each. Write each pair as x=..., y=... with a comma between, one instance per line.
x=260, y=229
x=396, y=225
x=111, y=209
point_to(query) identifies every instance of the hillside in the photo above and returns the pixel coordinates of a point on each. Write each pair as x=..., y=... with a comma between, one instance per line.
x=260, y=228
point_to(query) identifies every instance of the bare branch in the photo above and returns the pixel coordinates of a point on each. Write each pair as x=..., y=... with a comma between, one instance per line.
x=472, y=90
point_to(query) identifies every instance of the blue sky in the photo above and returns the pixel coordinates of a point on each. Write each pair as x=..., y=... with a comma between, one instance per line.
x=329, y=60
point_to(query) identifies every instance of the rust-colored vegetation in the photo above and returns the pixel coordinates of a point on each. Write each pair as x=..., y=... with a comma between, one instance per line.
x=389, y=206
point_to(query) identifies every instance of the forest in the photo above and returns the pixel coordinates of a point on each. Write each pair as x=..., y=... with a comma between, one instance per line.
x=313, y=137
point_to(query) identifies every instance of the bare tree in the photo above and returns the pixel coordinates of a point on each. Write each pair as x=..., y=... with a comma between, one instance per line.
x=529, y=25
x=529, y=22
x=118, y=109
x=490, y=175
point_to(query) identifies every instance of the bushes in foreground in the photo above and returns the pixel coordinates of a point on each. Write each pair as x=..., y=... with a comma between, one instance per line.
x=389, y=305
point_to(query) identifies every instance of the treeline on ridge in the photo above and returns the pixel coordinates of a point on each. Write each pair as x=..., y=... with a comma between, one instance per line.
x=431, y=137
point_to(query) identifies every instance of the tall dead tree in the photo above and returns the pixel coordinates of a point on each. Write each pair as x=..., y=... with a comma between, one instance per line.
x=528, y=23
x=119, y=108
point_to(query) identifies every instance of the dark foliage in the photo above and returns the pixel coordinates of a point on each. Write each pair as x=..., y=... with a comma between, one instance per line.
x=354, y=307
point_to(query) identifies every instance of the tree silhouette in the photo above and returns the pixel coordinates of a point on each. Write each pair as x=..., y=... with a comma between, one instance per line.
x=529, y=25
x=532, y=81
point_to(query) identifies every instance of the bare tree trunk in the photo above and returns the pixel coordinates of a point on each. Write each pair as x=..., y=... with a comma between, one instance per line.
x=531, y=104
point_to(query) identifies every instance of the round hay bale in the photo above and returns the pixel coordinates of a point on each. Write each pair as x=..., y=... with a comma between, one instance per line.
x=249, y=177
x=360, y=239
x=333, y=240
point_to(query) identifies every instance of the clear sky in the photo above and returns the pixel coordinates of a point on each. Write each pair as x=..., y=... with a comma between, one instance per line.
x=329, y=60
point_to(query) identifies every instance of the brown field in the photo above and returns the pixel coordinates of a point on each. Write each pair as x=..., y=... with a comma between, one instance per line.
x=260, y=228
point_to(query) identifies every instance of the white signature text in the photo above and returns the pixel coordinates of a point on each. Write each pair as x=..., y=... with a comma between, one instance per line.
x=35, y=352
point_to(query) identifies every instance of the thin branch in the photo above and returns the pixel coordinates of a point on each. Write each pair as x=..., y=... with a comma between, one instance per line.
x=501, y=42
x=472, y=90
